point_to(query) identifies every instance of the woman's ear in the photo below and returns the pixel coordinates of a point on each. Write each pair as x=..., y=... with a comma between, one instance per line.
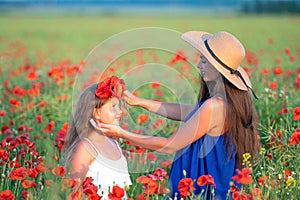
x=96, y=113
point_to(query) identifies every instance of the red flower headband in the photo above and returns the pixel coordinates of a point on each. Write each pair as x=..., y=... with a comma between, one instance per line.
x=111, y=87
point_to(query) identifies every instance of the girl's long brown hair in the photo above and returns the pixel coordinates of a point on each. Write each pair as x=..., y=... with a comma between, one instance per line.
x=240, y=123
x=79, y=125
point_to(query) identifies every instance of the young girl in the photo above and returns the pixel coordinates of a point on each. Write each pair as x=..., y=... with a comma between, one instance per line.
x=89, y=153
x=218, y=129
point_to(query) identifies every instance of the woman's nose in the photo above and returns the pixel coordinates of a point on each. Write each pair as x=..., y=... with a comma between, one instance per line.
x=199, y=66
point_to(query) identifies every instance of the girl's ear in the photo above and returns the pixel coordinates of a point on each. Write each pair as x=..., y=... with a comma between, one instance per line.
x=96, y=113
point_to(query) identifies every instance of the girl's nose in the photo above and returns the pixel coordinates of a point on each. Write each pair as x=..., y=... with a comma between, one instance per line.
x=119, y=111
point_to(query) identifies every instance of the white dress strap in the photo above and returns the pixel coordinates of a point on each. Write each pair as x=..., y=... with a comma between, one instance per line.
x=118, y=145
x=90, y=142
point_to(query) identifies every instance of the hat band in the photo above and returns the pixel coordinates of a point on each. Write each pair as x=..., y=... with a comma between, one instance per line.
x=232, y=71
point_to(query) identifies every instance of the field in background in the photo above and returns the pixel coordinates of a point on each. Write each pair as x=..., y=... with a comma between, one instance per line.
x=40, y=56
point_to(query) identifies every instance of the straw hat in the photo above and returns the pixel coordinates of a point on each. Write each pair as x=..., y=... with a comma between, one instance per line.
x=224, y=52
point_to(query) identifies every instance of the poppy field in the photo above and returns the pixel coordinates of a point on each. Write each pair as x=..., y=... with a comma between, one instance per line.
x=41, y=58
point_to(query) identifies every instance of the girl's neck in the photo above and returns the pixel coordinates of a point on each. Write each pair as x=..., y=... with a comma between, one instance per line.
x=97, y=136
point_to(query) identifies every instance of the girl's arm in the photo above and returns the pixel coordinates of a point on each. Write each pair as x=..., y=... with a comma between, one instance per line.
x=172, y=111
x=81, y=160
x=200, y=123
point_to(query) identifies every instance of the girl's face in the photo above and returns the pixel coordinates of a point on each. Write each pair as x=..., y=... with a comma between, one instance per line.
x=110, y=112
x=208, y=71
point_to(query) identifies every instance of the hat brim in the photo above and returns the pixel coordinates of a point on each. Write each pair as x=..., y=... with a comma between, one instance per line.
x=196, y=39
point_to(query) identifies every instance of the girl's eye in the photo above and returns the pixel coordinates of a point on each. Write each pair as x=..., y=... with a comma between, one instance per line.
x=203, y=61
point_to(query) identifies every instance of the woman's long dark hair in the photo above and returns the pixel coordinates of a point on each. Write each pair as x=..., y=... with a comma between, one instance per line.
x=240, y=125
x=79, y=125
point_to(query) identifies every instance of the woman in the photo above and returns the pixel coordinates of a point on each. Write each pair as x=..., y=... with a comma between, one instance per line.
x=218, y=130
x=89, y=153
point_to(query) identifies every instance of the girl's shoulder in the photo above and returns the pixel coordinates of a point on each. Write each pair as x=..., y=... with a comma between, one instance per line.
x=86, y=149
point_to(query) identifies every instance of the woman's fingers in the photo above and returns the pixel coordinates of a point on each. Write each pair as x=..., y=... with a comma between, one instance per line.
x=94, y=124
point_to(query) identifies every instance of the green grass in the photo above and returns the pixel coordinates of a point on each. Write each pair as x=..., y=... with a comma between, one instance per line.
x=75, y=36
x=46, y=40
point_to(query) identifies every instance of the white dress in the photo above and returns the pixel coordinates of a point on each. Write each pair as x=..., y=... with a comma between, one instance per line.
x=106, y=172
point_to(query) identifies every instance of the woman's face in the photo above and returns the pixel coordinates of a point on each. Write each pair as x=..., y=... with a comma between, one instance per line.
x=208, y=71
x=110, y=112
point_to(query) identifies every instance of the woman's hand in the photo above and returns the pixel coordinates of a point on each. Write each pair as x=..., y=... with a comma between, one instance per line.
x=107, y=129
x=110, y=130
x=130, y=99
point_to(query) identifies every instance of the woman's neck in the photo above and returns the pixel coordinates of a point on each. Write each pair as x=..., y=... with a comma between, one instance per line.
x=216, y=89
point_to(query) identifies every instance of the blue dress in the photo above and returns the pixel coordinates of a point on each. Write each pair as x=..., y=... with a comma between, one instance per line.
x=205, y=156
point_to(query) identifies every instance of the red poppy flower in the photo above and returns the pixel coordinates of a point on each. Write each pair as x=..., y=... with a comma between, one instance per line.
x=117, y=193
x=42, y=104
x=270, y=156
x=287, y=50
x=59, y=171
x=49, y=128
x=278, y=60
x=166, y=163
x=142, y=119
x=15, y=102
x=243, y=176
x=18, y=174
x=251, y=58
x=111, y=87
x=273, y=85
x=68, y=183
x=72, y=70
x=287, y=172
x=270, y=41
x=239, y=196
x=256, y=193
x=63, y=97
x=160, y=174
x=33, y=173
x=186, y=187
x=28, y=184
x=265, y=72
x=20, y=92
x=263, y=180
x=295, y=138
x=150, y=185
x=25, y=194
x=292, y=58
x=75, y=196
x=151, y=156
x=125, y=126
x=155, y=85
x=296, y=112
x=136, y=93
x=277, y=70
x=60, y=138
x=7, y=195
x=179, y=56
x=90, y=189
x=206, y=180
x=2, y=113
x=32, y=76
x=141, y=197
x=159, y=93
x=39, y=119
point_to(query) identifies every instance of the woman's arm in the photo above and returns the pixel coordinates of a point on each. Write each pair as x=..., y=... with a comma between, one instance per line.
x=200, y=123
x=172, y=111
